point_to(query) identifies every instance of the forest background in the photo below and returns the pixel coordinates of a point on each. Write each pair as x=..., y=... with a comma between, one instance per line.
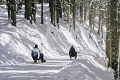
x=106, y=11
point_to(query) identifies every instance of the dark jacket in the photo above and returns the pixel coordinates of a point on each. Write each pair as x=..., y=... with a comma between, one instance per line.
x=72, y=51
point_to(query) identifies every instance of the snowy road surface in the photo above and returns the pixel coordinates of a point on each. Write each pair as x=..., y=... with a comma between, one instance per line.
x=30, y=71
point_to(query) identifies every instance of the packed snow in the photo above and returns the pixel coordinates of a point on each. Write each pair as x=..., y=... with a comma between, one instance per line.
x=16, y=44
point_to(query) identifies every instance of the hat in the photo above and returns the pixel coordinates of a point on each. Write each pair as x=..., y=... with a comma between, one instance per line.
x=36, y=46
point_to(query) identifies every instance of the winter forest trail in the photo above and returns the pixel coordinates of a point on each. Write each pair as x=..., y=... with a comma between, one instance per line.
x=30, y=71
x=17, y=42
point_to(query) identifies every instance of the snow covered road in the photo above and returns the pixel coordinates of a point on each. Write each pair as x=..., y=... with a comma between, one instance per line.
x=30, y=71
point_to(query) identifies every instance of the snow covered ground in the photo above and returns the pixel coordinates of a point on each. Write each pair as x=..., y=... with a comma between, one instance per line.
x=17, y=42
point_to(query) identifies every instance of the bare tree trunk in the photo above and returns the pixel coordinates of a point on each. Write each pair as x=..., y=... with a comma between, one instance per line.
x=68, y=15
x=28, y=10
x=42, y=11
x=114, y=36
x=33, y=11
x=85, y=12
x=108, y=46
x=54, y=13
x=108, y=37
x=52, y=10
x=58, y=11
x=9, y=8
x=13, y=12
x=119, y=40
x=90, y=20
x=81, y=13
x=74, y=13
x=99, y=28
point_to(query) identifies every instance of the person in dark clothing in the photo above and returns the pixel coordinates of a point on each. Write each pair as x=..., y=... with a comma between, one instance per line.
x=42, y=58
x=72, y=52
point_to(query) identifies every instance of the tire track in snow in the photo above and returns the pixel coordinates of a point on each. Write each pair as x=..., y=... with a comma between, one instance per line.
x=30, y=71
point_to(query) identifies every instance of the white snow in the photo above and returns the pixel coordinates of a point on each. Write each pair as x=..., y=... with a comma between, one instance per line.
x=17, y=42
